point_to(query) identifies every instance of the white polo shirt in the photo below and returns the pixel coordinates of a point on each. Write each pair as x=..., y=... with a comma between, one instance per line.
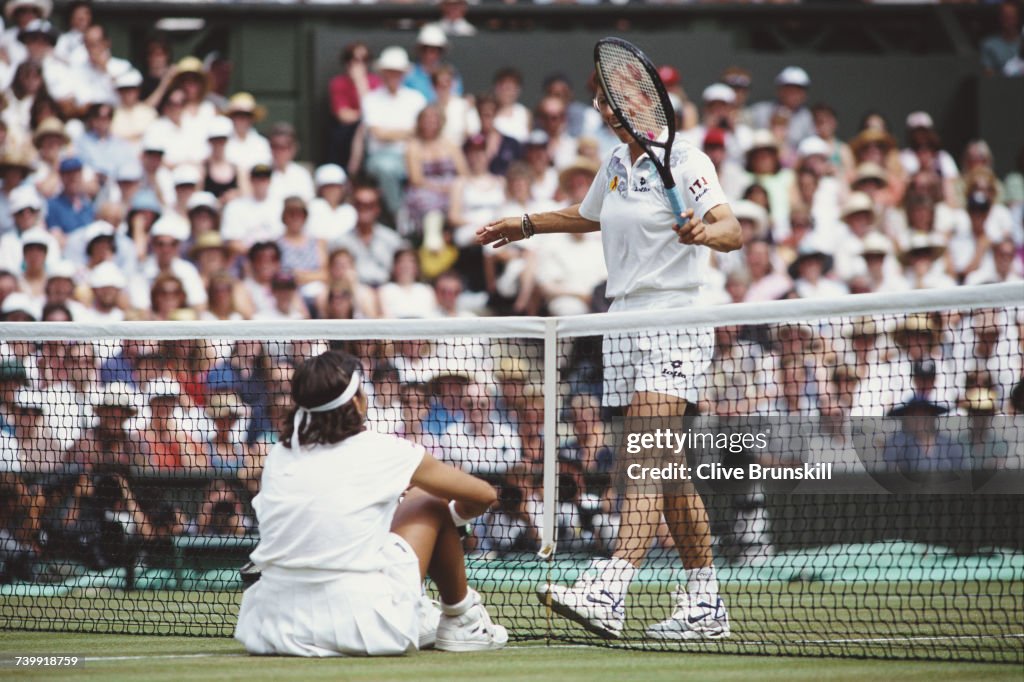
x=640, y=249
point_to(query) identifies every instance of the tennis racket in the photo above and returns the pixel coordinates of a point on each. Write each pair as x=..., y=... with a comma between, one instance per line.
x=639, y=100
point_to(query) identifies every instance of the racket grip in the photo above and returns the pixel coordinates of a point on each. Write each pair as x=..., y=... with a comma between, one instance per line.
x=675, y=198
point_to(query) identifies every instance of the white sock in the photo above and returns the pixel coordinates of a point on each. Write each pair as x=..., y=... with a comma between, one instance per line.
x=614, y=573
x=702, y=582
x=469, y=601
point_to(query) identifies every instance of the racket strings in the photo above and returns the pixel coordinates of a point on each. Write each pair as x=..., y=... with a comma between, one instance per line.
x=632, y=90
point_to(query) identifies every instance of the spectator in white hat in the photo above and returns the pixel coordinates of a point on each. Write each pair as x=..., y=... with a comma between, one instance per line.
x=19, y=14
x=19, y=307
x=203, y=217
x=718, y=111
x=60, y=289
x=330, y=214
x=810, y=269
x=791, y=87
x=186, y=178
x=389, y=120
x=246, y=147
x=156, y=177
x=132, y=116
x=431, y=45
x=172, y=446
x=26, y=210
x=289, y=179
x=35, y=244
x=165, y=238
x=39, y=37
x=107, y=283
x=222, y=178
x=251, y=219
x=921, y=135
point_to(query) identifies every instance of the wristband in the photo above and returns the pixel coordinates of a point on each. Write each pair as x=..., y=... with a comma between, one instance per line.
x=458, y=520
x=527, y=226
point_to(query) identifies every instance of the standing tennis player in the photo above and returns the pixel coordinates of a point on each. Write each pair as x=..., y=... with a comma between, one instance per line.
x=342, y=561
x=655, y=260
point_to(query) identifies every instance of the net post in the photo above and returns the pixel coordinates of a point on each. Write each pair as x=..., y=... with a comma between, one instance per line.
x=548, y=539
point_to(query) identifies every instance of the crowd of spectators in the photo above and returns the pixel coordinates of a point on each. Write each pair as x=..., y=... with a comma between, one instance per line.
x=151, y=193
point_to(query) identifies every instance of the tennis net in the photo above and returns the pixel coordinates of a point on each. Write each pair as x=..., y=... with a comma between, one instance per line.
x=130, y=453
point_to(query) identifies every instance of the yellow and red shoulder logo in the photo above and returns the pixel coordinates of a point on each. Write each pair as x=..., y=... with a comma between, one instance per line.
x=614, y=183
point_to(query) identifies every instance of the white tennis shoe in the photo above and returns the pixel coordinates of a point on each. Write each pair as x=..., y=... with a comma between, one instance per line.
x=589, y=602
x=430, y=616
x=694, y=618
x=473, y=630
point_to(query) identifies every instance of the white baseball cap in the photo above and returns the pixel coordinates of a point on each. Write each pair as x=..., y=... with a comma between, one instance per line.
x=22, y=197
x=171, y=225
x=129, y=172
x=920, y=119
x=185, y=174
x=17, y=302
x=202, y=200
x=393, y=59
x=35, y=235
x=432, y=36
x=220, y=126
x=153, y=141
x=30, y=399
x=97, y=229
x=857, y=202
x=793, y=75
x=813, y=146
x=62, y=270
x=106, y=274
x=719, y=92
x=129, y=79
x=330, y=174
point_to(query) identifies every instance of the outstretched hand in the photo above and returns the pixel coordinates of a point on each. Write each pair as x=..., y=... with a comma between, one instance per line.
x=692, y=229
x=501, y=232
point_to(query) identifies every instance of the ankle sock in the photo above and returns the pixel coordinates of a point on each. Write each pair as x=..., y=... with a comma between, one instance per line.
x=469, y=601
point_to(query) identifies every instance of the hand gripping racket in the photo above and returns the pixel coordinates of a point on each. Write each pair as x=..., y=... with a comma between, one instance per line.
x=639, y=100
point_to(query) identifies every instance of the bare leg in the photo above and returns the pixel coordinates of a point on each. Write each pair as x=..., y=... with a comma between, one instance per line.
x=688, y=522
x=642, y=511
x=425, y=523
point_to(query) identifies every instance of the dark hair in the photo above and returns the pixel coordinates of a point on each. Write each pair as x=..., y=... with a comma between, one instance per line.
x=317, y=381
x=18, y=88
x=255, y=249
x=508, y=72
x=51, y=308
x=349, y=51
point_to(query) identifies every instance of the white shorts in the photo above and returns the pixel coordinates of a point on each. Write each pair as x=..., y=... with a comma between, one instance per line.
x=321, y=613
x=667, y=361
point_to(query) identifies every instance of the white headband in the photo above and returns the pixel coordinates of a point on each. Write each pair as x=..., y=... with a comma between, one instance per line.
x=302, y=412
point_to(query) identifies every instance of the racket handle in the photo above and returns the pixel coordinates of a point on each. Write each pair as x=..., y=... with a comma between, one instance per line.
x=675, y=198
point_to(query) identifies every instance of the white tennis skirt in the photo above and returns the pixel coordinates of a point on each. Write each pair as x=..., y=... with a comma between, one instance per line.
x=294, y=612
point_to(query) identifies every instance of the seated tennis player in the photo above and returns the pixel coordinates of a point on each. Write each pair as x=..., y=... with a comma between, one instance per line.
x=342, y=558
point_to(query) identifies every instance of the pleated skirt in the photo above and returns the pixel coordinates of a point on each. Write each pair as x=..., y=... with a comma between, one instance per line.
x=307, y=613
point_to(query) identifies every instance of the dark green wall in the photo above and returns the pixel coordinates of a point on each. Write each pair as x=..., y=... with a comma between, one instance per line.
x=893, y=60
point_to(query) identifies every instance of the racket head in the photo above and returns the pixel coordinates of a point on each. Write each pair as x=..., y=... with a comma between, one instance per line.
x=635, y=92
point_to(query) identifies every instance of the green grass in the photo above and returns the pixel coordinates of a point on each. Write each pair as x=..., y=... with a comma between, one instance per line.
x=122, y=657
x=958, y=620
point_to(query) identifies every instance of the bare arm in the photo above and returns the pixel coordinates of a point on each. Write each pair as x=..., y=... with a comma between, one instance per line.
x=719, y=230
x=506, y=230
x=472, y=496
